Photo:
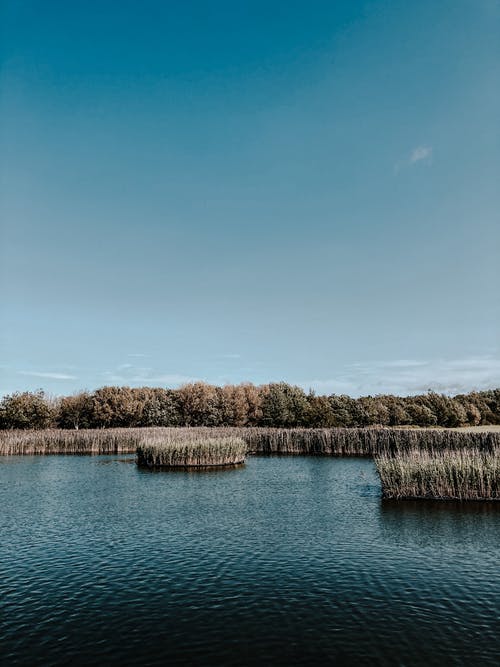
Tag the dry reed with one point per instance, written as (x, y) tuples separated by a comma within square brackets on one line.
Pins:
[(363, 441), (316, 441), (58, 441), (446, 475), (190, 450)]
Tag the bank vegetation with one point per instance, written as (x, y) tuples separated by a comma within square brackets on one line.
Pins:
[(339, 441), (275, 405)]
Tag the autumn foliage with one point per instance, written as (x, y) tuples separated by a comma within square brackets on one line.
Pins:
[(277, 405)]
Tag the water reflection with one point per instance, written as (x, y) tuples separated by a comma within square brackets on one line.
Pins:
[(195, 470), (434, 508), (451, 524)]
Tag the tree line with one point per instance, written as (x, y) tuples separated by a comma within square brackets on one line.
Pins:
[(271, 405)]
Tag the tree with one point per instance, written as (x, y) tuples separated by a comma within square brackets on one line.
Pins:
[(345, 410), (26, 410), (398, 415), (75, 411), (320, 412), (199, 404), (283, 405), (115, 406), (420, 414), (253, 400), (160, 407)]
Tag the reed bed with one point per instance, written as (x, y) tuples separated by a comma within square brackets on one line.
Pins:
[(190, 450), (59, 441), (364, 441), (446, 475), (369, 441)]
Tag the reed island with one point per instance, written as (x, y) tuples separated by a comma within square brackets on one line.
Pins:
[(188, 451), (463, 474)]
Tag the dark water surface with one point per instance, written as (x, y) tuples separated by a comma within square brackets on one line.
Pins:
[(287, 561)]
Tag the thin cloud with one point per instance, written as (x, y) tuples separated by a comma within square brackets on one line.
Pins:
[(128, 374), (48, 375), (405, 363), (168, 379), (420, 153), (406, 377)]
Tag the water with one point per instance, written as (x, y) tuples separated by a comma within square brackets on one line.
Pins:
[(287, 561)]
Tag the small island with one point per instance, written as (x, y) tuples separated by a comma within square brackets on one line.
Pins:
[(190, 451)]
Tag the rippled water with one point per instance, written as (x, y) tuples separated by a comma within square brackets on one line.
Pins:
[(287, 561)]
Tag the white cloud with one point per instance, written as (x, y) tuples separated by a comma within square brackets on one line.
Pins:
[(170, 380), (128, 374), (47, 375), (405, 377), (405, 363), (420, 153)]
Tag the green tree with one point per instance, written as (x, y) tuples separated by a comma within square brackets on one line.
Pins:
[(25, 410), (75, 411), (321, 414), (160, 407), (116, 406), (284, 405)]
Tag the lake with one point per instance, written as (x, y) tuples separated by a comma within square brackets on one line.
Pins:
[(285, 561)]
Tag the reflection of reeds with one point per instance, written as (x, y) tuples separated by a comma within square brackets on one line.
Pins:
[(466, 474), (316, 441), (189, 450)]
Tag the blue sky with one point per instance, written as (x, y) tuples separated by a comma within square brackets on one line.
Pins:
[(257, 191)]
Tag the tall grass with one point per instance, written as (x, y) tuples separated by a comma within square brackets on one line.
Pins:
[(189, 450), (58, 441), (363, 441), (317, 441), (459, 475)]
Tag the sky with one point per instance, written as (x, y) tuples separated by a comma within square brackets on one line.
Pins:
[(250, 191)]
